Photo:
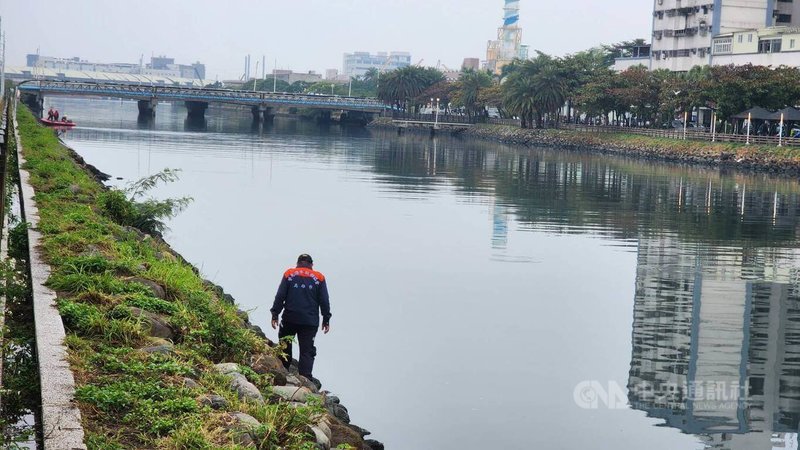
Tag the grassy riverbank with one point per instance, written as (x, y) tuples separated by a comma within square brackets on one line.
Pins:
[(145, 331)]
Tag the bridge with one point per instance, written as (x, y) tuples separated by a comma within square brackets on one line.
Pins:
[(262, 104)]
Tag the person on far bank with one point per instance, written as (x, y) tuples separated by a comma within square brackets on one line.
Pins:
[(302, 294)]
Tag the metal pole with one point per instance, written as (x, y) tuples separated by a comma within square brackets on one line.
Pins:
[(685, 120), (749, 125), (780, 133), (255, 78), (713, 127), (350, 89), (332, 85), (436, 121), (275, 77)]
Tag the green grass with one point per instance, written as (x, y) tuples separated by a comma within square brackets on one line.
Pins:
[(128, 398)]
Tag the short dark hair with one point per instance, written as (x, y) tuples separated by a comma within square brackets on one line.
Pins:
[(305, 258)]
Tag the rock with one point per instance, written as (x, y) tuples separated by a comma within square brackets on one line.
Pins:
[(292, 380), (322, 438), (244, 388), (157, 324), (92, 250), (165, 349), (228, 298), (265, 363), (361, 431), (373, 444), (323, 425), (157, 290), (226, 368), (259, 332), (340, 412), (243, 316), (331, 400), (343, 434), (74, 188), (215, 401), (190, 383), (309, 384), (245, 420), (292, 393), (245, 424)]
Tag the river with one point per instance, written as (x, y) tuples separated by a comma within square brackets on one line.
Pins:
[(489, 297)]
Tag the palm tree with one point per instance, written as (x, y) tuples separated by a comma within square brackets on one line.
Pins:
[(470, 85), (535, 87), (404, 85)]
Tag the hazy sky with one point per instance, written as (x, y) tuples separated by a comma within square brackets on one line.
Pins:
[(304, 34)]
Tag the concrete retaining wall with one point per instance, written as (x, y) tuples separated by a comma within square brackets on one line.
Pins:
[(61, 419)]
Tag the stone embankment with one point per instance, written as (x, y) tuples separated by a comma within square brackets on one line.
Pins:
[(737, 156)]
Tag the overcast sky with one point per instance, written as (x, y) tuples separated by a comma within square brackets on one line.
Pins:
[(304, 34)]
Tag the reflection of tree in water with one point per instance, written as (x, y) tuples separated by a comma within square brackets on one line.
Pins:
[(575, 192), (716, 341)]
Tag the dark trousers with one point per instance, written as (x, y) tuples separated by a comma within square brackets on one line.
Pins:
[(305, 335)]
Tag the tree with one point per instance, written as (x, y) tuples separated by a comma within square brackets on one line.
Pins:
[(402, 87), (534, 88), (468, 90)]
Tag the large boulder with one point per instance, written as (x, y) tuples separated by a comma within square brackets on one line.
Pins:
[(156, 325), (157, 290), (244, 388), (243, 427), (214, 401), (292, 393), (267, 364), (226, 368)]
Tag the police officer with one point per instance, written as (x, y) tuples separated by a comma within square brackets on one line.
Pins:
[(302, 294)]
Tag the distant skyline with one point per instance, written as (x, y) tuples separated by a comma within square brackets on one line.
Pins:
[(304, 35)]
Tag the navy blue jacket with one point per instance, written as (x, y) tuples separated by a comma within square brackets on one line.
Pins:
[(301, 295)]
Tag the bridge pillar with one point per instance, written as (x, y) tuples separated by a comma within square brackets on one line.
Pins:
[(147, 107), (262, 113), (196, 110)]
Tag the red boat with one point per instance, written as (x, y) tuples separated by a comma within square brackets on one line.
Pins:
[(57, 123)]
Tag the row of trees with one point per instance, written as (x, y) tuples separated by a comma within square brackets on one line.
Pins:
[(546, 89)]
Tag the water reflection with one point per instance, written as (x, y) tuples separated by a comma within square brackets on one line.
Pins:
[(716, 342)]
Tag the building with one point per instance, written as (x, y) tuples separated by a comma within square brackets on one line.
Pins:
[(508, 45), (159, 66), (765, 47), (293, 77), (685, 32), (357, 64), (471, 64)]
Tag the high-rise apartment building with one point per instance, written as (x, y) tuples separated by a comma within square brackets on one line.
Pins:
[(357, 64), (508, 45), (683, 30)]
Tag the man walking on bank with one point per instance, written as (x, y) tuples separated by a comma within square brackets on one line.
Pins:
[(302, 294)]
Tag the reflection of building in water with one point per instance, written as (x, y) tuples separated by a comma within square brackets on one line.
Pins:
[(499, 227), (716, 342)]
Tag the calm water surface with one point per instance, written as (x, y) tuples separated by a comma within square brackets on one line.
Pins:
[(488, 297)]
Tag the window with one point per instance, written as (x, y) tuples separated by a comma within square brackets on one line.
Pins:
[(750, 37), (740, 38), (791, 43), (769, 46), (722, 46), (784, 18)]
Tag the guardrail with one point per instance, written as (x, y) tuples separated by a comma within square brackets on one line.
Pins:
[(452, 118), (179, 93), (691, 135)]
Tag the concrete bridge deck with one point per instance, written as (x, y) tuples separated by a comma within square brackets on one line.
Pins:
[(197, 99)]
